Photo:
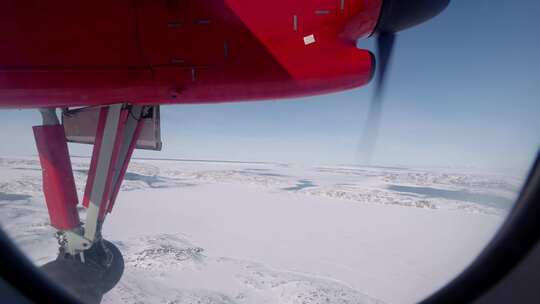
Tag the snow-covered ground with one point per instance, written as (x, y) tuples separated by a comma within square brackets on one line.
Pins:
[(234, 232)]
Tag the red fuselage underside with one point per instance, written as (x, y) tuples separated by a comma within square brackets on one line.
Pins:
[(74, 53)]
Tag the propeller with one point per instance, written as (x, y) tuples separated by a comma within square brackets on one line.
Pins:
[(385, 45), (395, 16)]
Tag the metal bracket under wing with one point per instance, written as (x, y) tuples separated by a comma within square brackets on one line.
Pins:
[(80, 127)]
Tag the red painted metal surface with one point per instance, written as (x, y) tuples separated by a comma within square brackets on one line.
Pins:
[(69, 53), (95, 155), (58, 182), (124, 167), (103, 207), (110, 191)]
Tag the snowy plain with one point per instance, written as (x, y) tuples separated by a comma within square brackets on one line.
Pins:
[(239, 232)]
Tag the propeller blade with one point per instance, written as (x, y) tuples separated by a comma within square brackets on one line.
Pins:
[(385, 45), (395, 16)]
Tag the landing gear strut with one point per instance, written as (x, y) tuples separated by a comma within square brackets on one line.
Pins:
[(87, 265)]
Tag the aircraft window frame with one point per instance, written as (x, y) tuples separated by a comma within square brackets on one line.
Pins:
[(517, 236)]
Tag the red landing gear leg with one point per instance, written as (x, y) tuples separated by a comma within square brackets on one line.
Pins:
[(117, 132), (87, 264), (58, 183)]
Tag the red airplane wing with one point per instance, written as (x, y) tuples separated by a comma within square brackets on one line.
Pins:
[(69, 53)]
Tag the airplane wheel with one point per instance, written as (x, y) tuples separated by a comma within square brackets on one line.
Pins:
[(89, 281), (114, 271)]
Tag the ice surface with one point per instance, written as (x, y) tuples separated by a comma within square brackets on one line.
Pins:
[(240, 232)]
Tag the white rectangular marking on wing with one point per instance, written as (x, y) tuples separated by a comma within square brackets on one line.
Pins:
[(309, 39)]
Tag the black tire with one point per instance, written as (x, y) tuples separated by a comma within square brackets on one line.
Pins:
[(91, 280), (81, 280), (114, 272)]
